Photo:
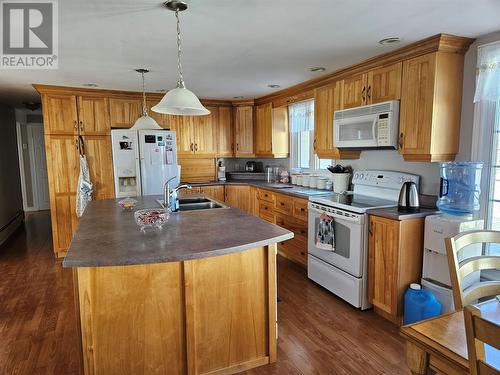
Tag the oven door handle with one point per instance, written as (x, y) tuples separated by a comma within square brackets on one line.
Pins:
[(358, 219)]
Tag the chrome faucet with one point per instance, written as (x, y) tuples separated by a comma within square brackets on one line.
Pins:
[(170, 196)]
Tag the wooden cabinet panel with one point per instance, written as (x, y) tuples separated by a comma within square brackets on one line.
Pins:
[(255, 200), (124, 112), (280, 134), (183, 193), (384, 84), (293, 250), (63, 168), (417, 105), (60, 114), (239, 196), (354, 91), (266, 211), (244, 126), (264, 129), (383, 263), (300, 209), (93, 115), (197, 170), (327, 100), (225, 146), (205, 133), (214, 191), (266, 195), (284, 204), (183, 127), (100, 160)]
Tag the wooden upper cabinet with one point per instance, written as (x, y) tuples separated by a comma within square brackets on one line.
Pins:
[(354, 91), (271, 131), (244, 131), (225, 133), (430, 107), (60, 114), (93, 115), (384, 84), (100, 160), (124, 112), (183, 127), (327, 100), (205, 133)]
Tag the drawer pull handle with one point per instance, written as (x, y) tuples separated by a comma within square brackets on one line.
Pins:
[(302, 209)]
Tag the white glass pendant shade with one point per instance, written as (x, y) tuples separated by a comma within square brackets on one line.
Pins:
[(145, 122), (180, 101)]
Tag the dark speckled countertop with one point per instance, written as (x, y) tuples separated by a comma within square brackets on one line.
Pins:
[(393, 213), (109, 236)]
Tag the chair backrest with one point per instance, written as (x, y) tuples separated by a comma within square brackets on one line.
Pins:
[(460, 270), (479, 332)]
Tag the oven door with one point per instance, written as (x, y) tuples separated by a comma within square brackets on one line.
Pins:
[(349, 238), (355, 132)]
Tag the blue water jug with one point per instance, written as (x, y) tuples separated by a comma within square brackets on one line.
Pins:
[(419, 304), (460, 188)]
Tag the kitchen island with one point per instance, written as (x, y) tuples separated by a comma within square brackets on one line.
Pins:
[(197, 297)]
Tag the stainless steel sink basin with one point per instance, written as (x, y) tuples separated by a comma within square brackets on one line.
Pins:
[(195, 203)]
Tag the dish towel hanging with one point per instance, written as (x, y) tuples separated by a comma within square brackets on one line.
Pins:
[(84, 188), (325, 236)]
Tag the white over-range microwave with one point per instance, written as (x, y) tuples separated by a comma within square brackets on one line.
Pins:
[(367, 127)]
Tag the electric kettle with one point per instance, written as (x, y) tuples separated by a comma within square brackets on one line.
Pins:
[(408, 198)]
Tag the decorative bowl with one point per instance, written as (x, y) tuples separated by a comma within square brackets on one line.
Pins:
[(151, 218), (127, 204)]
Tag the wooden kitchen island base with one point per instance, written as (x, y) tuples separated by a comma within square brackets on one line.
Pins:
[(214, 315)]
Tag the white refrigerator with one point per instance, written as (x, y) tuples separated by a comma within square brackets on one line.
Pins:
[(143, 160)]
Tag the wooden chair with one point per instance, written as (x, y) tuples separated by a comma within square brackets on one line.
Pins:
[(460, 270), (480, 332)]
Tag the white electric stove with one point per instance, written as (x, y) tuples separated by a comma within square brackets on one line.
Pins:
[(340, 265)]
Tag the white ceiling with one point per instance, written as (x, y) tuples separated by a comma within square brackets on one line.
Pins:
[(235, 47)]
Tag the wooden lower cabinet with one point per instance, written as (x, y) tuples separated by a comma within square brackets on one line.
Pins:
[(205, 316), (290, 213), (239, 196), (394, 261), (100, 160), (213, 191)]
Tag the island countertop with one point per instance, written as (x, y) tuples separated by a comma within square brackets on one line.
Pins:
[(109, 236)]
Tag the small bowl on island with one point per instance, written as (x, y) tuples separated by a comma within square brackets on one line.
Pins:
[(151, 218), (127, 204)]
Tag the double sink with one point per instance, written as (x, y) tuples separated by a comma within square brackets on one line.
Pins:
[(195, 203)]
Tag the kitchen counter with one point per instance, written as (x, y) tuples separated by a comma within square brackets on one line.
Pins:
[(109, 236), (394, 214), (288, 189), (198, 296)]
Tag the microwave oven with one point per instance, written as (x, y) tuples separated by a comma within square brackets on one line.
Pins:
[(367, 127)]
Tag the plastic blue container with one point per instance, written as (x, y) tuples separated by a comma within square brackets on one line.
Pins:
[(419, 304), (460, 188)]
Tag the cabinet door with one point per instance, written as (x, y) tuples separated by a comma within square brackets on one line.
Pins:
[(183, 193), (60, 114), (280, 133), (383, 264), (384, 84), (215, 191), (225, 145), (183, 127), (264, 130), (124, 112), (93, 115), (100, 160), (160, 118), (243, 121), (239, 197), (416, 110), (63, 168), (205, 133), (354, 91)]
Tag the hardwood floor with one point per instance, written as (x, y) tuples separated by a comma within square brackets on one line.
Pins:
[(319, 333)]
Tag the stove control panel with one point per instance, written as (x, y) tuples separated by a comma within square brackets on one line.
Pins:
[(386, 179)]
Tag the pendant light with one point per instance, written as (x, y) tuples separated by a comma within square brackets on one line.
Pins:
[(144, 122), (179, 101)]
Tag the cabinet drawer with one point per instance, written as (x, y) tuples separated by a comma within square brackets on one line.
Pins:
[(300, 208), (294, 251), (283, 204), (298, 227), (265, 195), (267, 216), (265, 209)]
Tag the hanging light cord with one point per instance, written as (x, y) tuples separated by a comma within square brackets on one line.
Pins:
[(144, 106), (180, 82)]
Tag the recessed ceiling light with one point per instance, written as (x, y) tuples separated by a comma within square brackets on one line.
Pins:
[(317, 69), (90, 85), (273, 86), (237, 97), (391, 40)]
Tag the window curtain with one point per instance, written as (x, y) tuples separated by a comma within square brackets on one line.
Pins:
[(302, 116), (488, 73)]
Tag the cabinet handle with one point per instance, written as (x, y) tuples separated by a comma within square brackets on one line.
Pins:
[(369, 92), (76, 125), (232, 146), (314, 145), (196, 147), (401, 138), (81, 126), (237, 146), (302, 209), (282, 203), (76, 144), (363, 97), (191, 147)]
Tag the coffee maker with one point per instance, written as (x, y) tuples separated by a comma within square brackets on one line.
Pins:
[(221, 171)]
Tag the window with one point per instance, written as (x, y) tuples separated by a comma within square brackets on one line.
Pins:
[(493, 210), (301, 116)]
